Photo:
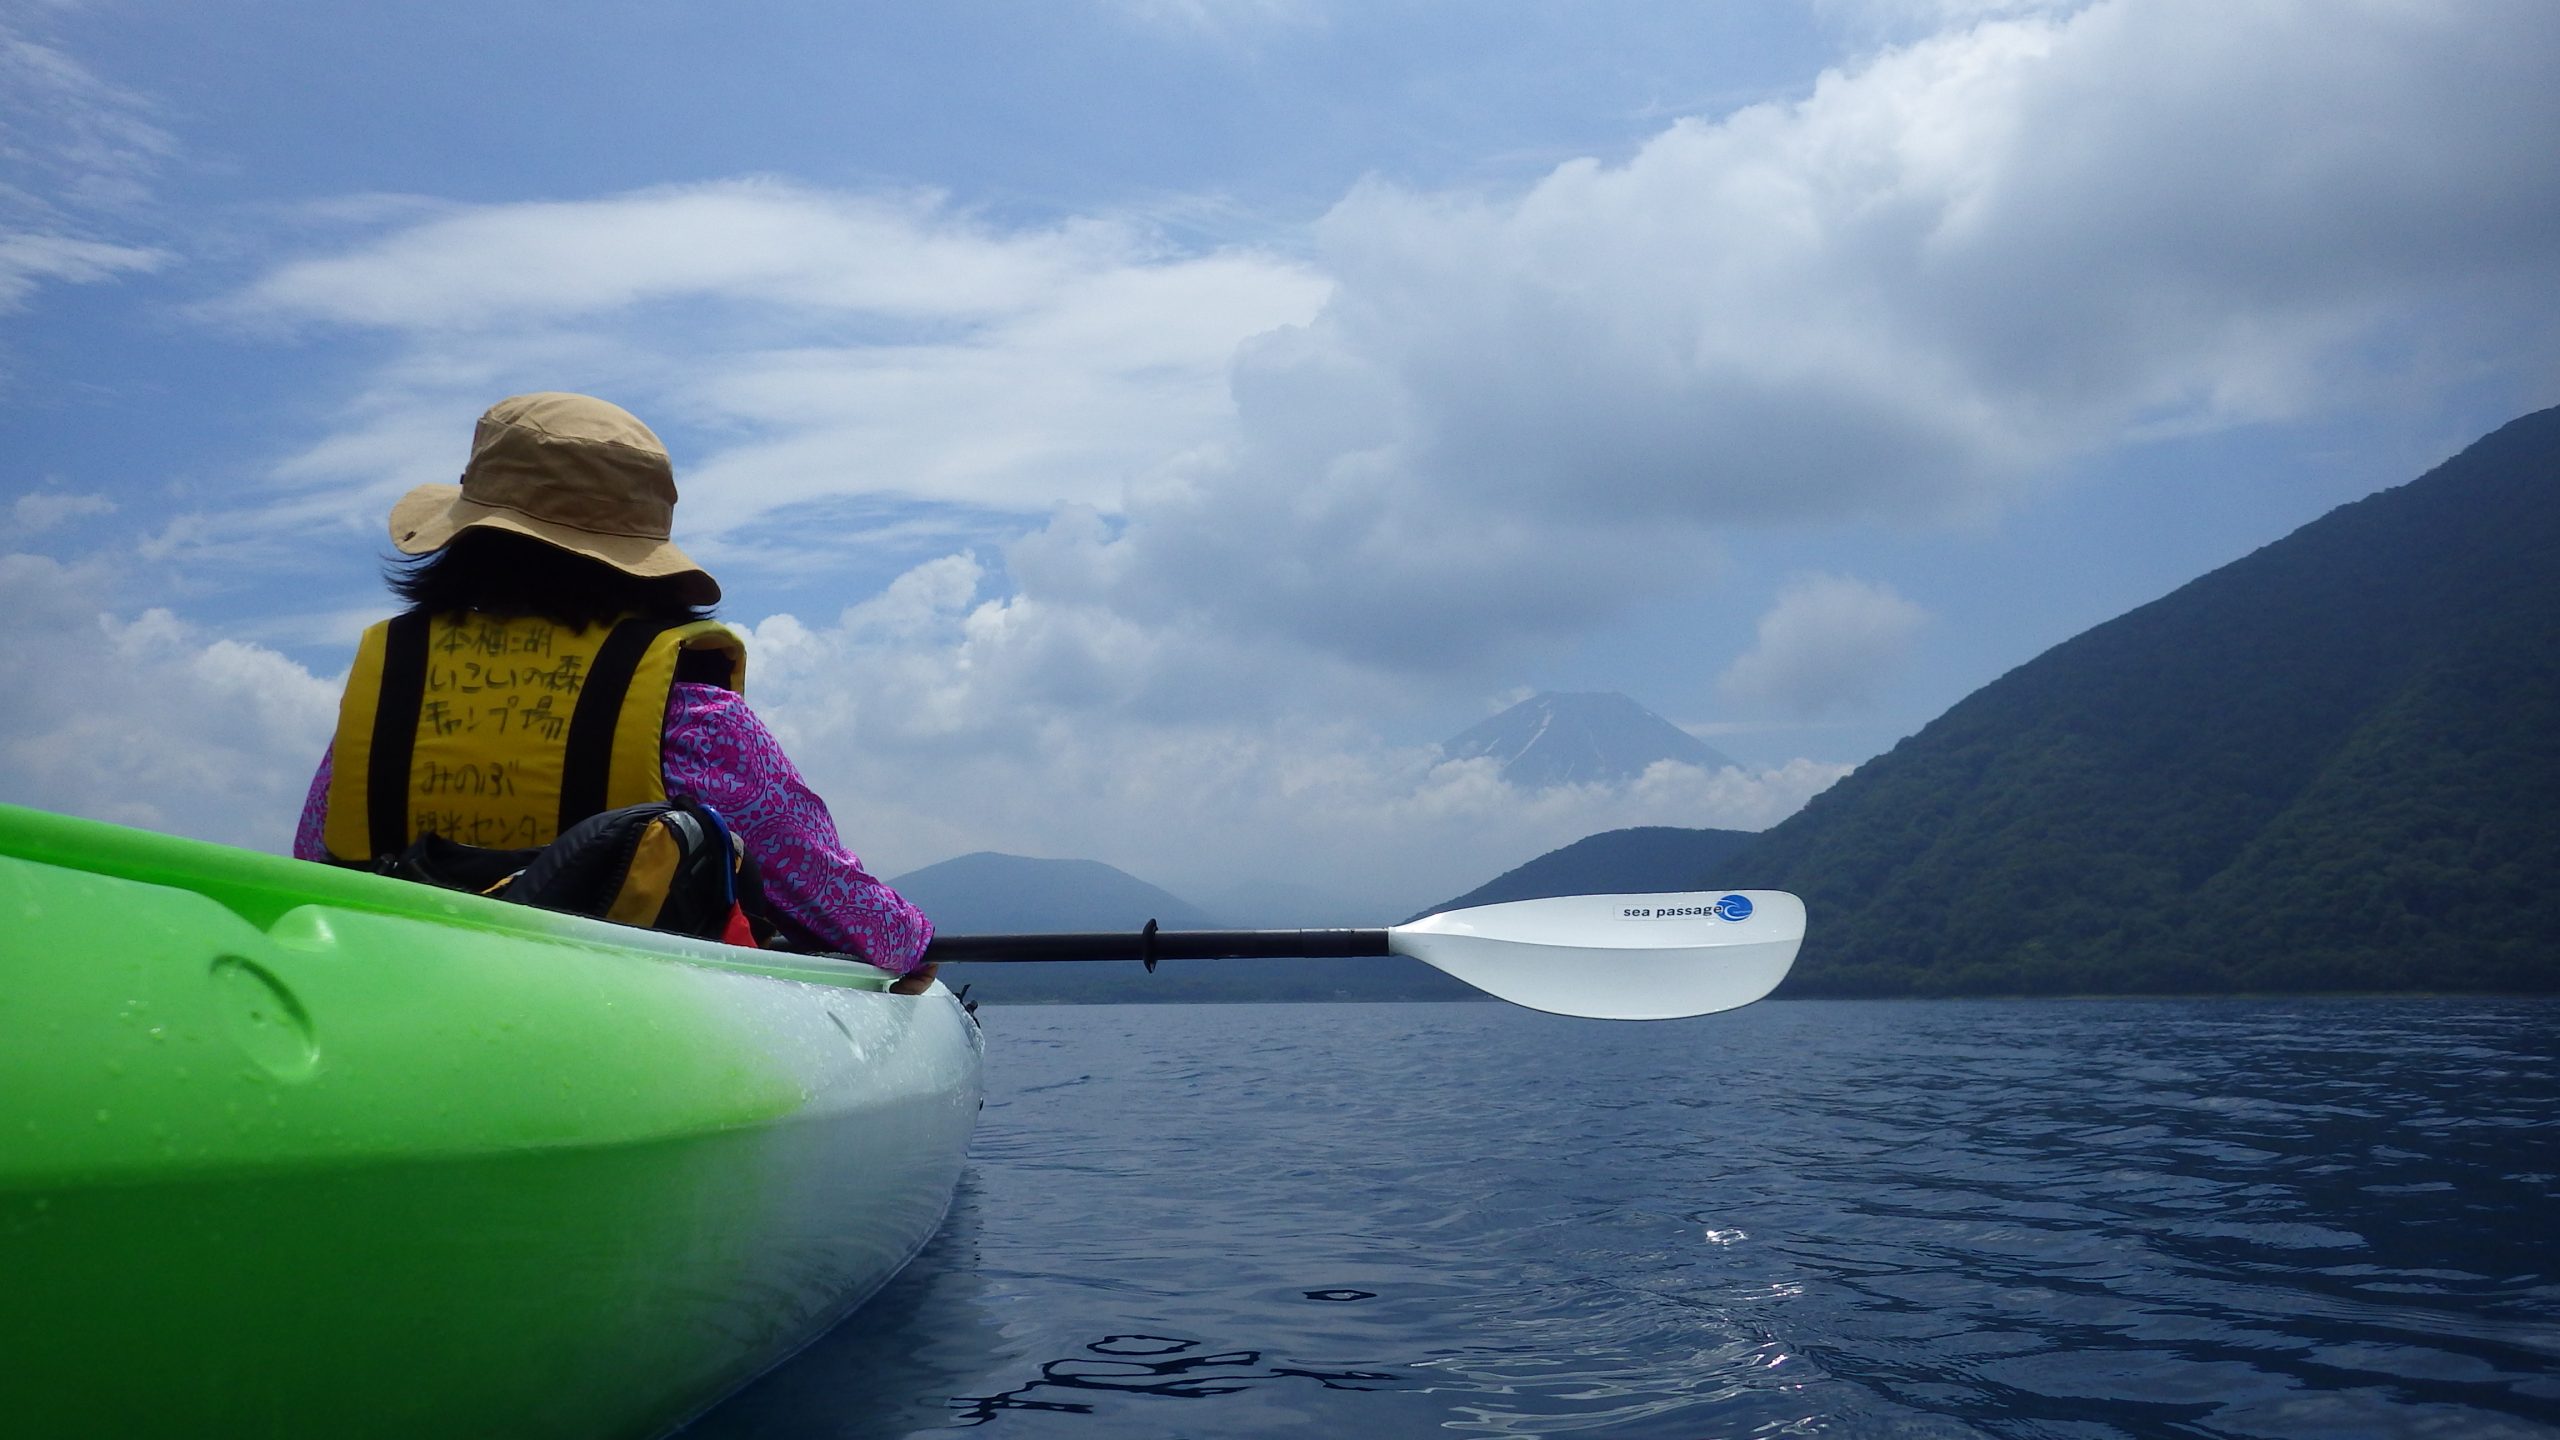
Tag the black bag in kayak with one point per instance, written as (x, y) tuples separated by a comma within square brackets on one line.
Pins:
[(452, 865), (668, 865)]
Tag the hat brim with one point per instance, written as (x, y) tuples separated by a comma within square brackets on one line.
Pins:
[(429, 517)]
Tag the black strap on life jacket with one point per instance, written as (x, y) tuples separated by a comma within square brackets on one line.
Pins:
[(395, 731), (588, 764)]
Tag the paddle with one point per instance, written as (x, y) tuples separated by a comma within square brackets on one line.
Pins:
[(1607, 957)]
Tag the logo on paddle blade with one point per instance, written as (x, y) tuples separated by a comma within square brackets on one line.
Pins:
[(1731, 907)]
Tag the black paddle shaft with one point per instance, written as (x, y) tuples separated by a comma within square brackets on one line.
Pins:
[(1151, 945)]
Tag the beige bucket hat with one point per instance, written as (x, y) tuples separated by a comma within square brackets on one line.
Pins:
[(570, 470)]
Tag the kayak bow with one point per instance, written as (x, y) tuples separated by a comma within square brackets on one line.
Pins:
[(290, 1150)]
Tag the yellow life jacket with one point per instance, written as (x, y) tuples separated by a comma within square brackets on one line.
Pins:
[(504, 731)]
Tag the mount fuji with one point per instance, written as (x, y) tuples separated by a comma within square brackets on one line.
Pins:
[(1560, 738)]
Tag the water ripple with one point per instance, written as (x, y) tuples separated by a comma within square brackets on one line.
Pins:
[(2028, 1219)]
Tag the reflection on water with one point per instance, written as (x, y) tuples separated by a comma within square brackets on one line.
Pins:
[(2029, 1219)]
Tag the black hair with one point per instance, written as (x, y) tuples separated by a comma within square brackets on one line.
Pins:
[(500, 572)]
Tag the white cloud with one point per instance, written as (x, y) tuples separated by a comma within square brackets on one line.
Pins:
[(1905, 298), (1886, 21), (1950, 265), (935, 719), (1486, 422), (819, 347), (1829, 644), (28, 259), (890, 258), (40, 510), (938, 721), (928, 718), (148, 720), (1225, 505), (70, 140), (75, 152)]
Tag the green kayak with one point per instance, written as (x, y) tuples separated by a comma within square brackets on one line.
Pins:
[(288, 1150)]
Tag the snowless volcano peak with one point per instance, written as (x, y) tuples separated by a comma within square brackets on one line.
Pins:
[(1580, 739)]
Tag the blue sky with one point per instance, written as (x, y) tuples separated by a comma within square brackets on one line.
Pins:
[(1140, 430)]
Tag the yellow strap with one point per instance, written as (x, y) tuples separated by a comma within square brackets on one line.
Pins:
[(347, 832), (638, 776), (651, 879)]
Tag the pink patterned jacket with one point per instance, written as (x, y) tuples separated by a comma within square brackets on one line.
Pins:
[(717, 752)]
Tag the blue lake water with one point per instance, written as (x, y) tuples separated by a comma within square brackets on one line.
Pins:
[(2067, 1219)]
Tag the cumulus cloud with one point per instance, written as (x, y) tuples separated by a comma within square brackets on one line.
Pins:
[(939, 718), (148, 720), (1965, 257), (1905, 298), (1201, 507), (1828, 645), (1477, 424)]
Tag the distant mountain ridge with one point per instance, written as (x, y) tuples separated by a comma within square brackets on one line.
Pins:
[(988, 893), (2333, 764), (1562, 738)]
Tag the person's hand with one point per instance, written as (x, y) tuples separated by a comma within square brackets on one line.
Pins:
[(916, 981)]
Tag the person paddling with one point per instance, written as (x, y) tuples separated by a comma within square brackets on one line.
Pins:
[(560, 658)]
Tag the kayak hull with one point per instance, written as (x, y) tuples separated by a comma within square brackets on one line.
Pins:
[(290, 1151)]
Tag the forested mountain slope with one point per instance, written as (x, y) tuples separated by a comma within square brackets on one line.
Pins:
[(2333, 764)]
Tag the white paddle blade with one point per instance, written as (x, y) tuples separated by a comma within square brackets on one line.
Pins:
[(1617, 957)]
